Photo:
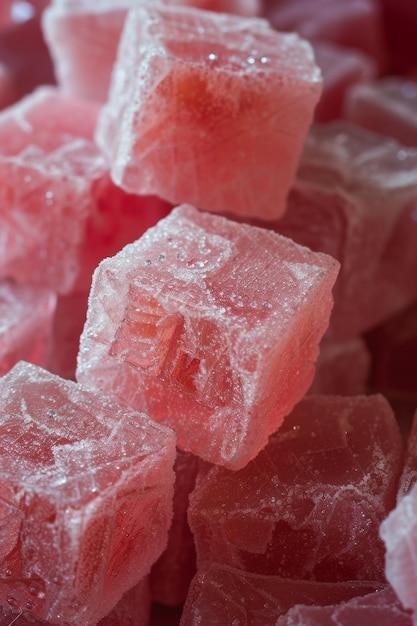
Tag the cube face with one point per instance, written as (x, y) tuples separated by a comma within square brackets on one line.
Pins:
[(86, 494), (331, 470), (212, 326), (199, 80)]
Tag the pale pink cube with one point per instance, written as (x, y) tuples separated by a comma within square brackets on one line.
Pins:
[(211, 325), (86, 497), (208, 108), (60, 212)]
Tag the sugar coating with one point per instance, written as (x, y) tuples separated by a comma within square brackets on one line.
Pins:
[(209, 326), (208, 108), (310, 505), (86, 497)]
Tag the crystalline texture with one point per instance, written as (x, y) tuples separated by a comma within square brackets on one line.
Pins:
[(209, 326), (208, 108), (85, 497)]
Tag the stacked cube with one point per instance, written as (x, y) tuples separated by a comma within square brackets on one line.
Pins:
[(237, 288)]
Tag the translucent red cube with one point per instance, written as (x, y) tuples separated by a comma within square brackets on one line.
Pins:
[(310, 505)]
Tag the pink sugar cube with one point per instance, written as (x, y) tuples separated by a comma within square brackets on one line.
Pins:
[(310, 505), (387, 107), (86, 497), (60, 212), (52, 197), (209, 326), (208, 108), (355, 199), (26, 316), (224, 595), (83, 38)]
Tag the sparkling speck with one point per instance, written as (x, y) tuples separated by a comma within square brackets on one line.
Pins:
[(212, 56)]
